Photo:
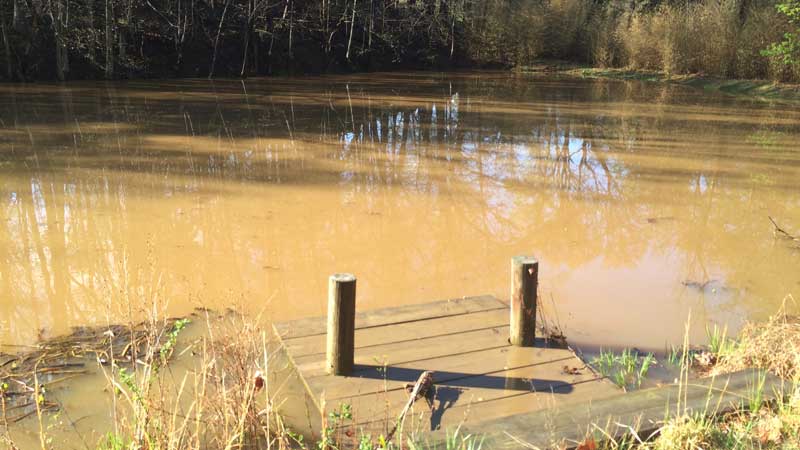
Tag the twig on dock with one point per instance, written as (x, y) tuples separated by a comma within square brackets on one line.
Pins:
[(421, 388)]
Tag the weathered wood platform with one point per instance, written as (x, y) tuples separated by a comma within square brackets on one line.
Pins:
[(478, 375), (641, 411)]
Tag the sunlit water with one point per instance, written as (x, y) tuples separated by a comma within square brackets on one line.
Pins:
[(646, 204)]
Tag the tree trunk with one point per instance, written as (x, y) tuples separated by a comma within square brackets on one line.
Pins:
[(452, 36), (16, 21), (56, 12), (6, 48), (216, 41), (121, 45), (247, 32), (180, 34), (291, 29), (326, 38), (244, 54), (256, 65), (371, 23), (109, 19), (122, 33), (352, 26), (91, 42)]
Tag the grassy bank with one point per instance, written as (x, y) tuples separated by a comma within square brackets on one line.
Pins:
[(769, 90), (773, 345), (763, 89)]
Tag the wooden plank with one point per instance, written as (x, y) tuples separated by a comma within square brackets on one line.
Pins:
[(644, 410), (317, 325), (405, 332), (290, 396), (370, 379), (484, 397), (396, 353), (544, 380)]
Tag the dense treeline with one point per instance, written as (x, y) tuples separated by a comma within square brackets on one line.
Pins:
[(72, 39)]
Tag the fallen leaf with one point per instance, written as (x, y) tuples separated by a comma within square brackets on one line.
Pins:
[(587, 444), (259, 380)]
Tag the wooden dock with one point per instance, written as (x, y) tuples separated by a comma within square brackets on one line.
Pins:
[(642, 412), (492, 376), (478, 375)]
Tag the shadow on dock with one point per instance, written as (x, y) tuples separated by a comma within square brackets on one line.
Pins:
[(466, 380)]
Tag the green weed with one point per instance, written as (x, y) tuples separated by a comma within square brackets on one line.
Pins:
[(627, 369), (673, 356), (719, 344)]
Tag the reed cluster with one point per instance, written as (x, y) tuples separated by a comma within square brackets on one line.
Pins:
[(718, 38)]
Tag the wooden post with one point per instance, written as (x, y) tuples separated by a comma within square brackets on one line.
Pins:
[(341, 323), (524, 284)]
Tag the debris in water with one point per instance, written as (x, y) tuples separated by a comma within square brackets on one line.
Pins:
[(58, 359)]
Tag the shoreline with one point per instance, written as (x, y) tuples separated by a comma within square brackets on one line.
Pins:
[(759, 89)]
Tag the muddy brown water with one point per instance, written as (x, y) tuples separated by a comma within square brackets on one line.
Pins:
[(646, 203)]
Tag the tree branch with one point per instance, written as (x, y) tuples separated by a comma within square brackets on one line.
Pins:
[(780, 231)]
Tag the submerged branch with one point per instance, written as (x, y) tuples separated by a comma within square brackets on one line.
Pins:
[(62, 358), (780, 231)]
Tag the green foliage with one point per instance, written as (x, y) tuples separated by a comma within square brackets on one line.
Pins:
[(112, 441), (297, 438), (455, 440), (756, 394), (336, 419), (719, 344), (365, 442), (673, 356), (172, 338), (627, 369), (788, 50), (791, 9), (128, 379), (345, 412)]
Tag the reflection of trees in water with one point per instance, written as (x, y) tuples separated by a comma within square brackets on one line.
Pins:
[(581, 170), (49, 228)]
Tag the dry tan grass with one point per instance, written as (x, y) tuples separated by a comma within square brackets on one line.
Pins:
[(773, 345), (215, 395), (718, 38)]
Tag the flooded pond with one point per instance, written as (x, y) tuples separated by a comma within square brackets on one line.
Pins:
[(645, 203)]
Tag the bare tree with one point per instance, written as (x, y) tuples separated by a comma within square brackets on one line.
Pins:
[(109, 30), (6, 47), (254, 9), (59, 18), (216, 41), (179, 18), (352, 27)]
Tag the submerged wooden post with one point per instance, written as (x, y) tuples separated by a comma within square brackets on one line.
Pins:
[(524, 284), (341, 323)]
